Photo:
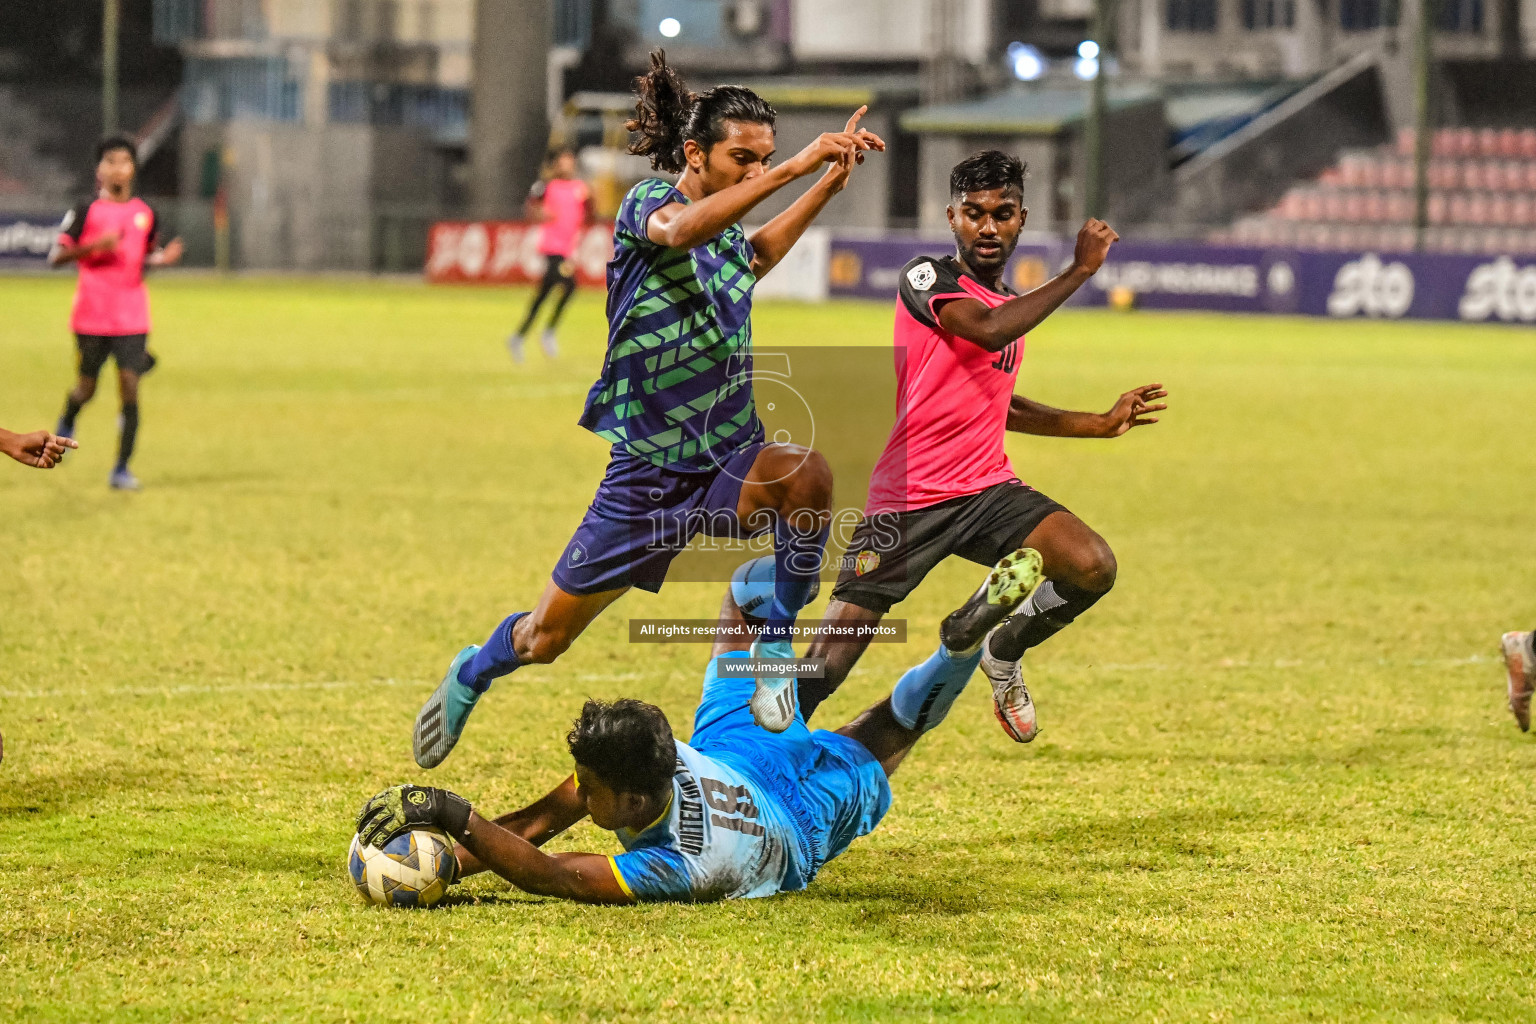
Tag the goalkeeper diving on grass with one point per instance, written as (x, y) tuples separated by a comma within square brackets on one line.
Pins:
[(733, 813)]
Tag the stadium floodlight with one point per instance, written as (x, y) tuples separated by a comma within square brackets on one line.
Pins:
[(1088, 50), (1086, 69), (670, 27), (1027, 62)]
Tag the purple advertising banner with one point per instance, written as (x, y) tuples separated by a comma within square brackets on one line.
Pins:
[(1431, 286), (26, 238)]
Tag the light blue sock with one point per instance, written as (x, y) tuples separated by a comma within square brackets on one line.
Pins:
[(924, 694)]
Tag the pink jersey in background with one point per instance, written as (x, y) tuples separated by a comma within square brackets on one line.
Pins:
[(952, 398), (110, 298), (565, 211)]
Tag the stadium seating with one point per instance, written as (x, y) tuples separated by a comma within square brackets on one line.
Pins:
[(1482, 198)]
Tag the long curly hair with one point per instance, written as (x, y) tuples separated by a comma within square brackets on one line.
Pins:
[(667, 114)]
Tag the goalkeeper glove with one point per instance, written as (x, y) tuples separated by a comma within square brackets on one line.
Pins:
[(401, 808)]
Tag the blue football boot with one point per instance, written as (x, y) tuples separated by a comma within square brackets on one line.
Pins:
[(441, 719)]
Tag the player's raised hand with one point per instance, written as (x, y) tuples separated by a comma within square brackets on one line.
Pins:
[(39, 449), (867, 138), (1135, 409), (401, 808), (1093, 243), (847, 146), (838, 172)]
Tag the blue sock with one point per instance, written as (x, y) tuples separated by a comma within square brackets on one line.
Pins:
[(924, 694), (496, 659), (797, 555)]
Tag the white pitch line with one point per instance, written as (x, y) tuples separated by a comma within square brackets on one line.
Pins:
[(588, 677), (1285, 663), (326, 684)]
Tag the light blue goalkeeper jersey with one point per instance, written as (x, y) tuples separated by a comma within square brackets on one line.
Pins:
[(752, 812), (723, 836)]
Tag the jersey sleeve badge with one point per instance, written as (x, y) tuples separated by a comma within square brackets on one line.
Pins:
[(922, 276)]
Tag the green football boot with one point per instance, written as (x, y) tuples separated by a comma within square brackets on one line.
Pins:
[(1011, 581)]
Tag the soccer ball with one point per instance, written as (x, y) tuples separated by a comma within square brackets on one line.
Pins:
[(414, 869)]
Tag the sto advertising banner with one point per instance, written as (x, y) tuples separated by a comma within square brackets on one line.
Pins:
[(1430, 286)]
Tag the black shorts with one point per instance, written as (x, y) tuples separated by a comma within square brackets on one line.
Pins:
[(127, 349), (891, 552), (558, 270)]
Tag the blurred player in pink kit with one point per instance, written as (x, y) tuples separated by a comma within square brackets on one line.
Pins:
[(563, 206), (112, 238)]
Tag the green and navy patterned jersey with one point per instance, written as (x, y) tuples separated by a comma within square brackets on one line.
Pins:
[(676, 387)]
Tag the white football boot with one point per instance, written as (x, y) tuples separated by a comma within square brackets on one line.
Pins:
[(774, 701), (1010, 697)]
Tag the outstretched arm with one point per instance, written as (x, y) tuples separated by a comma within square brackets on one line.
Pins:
[(587, 877), (538, 823), (1132, 409), (683, 226), (584, 877), (772, 242), (996, 328)]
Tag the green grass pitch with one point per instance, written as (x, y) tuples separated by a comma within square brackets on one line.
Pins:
[(1276, 780)]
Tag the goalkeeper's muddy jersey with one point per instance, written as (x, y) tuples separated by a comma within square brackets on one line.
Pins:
[(723, 836)]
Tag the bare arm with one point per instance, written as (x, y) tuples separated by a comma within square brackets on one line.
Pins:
[(685, 225), (772, 242), (64, 252), (538, 823), (585, 877), (166, 256), (996, 328), (1132, 409)]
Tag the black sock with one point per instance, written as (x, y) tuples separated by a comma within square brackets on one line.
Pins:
[(1049, 610), (811, 693), (538, 300), (129, 432), (565, 296), (71, 410)]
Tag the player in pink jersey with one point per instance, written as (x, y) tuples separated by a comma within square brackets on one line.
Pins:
[(944, 485), (112, 238), (563, 206)]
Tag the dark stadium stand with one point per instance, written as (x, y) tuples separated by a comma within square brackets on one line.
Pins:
[(1482, 198)]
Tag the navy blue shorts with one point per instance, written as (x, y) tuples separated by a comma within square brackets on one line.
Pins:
[(644, 516)]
